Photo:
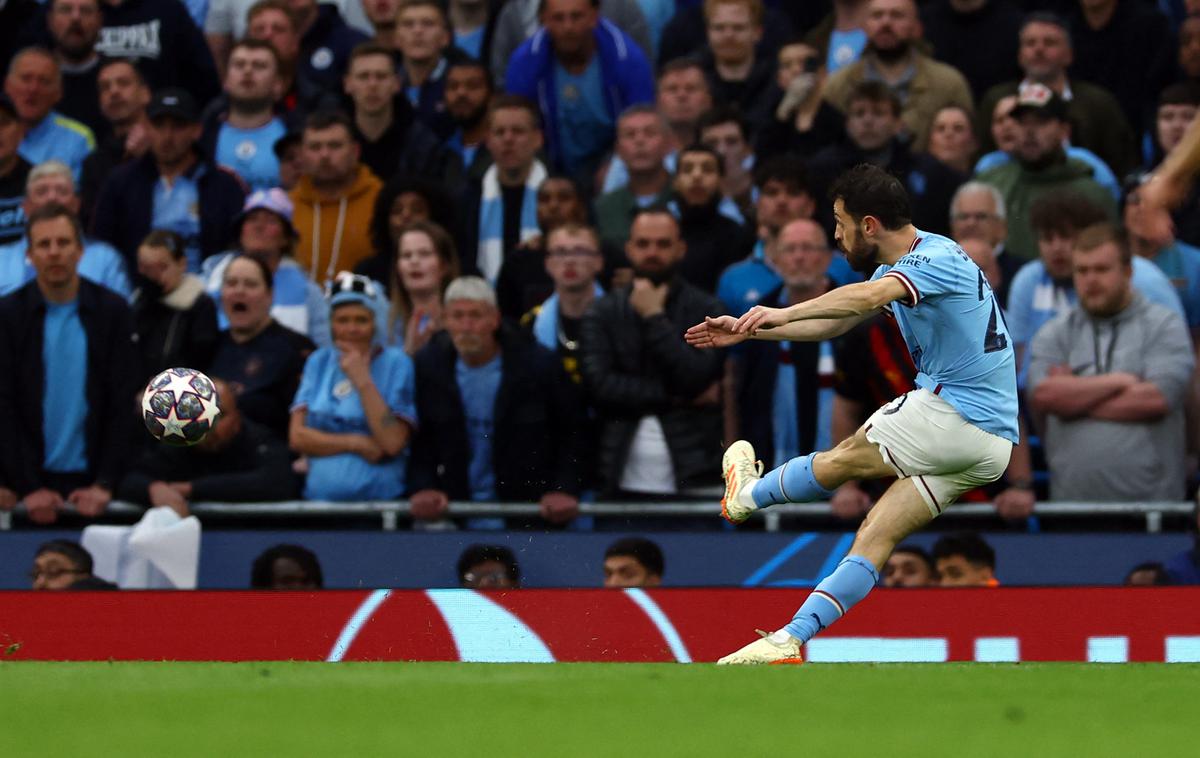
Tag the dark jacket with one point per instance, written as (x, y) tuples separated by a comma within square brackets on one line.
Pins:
[(752, 96), (685, 33), (254, 467), (776, 137), (408, 146), (12, 195), (539, 445), (714, 242), (981, 44), (126, 206), (166, 43), (109, 153), (635, 367), (113, 374), (325, 48), (177, 330)]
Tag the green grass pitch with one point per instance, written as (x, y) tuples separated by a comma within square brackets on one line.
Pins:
[(489, 711)]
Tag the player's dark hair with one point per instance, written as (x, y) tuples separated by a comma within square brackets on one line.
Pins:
[(868, 190), (1161, 577), (1064, 213), (262, 571), (641, 550), (724, 114), (875, 92), (787, 169), (697, 147), (477, 554), (166, 240), (49, 212), (263, 268), (920, 554), (72, 551), (969, 545)]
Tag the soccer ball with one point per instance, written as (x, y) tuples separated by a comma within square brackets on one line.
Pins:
[(179, 406)]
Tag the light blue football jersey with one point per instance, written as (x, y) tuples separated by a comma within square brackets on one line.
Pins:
[(956, 333)]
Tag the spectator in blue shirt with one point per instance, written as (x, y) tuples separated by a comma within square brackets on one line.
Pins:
[(51, 183), (582, 71), (13, 172), (34, 83), (355, 411), (1178, 260), (243, 137)]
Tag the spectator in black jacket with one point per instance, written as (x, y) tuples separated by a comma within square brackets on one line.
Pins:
[(712, 240), (175, 321), (74, 27), (239, 461), (66, 412), (123, 100), (799, 120), (203, 198), (737, 74), (273, 21), (14, 170), (499, 420), (658, 399), (325, 41), (873, 127)]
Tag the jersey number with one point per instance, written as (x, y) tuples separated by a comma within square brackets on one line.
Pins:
[(993, 340)]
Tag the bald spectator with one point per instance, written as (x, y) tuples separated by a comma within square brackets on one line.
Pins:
[(1096, 120), (34, 84), (922, 84)]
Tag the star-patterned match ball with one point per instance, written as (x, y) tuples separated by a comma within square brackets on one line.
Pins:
[(179, 406)]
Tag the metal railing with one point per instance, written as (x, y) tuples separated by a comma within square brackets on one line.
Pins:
[(391, 512)]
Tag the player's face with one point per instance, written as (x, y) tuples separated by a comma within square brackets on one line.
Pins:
[(421, 33), (570, 24), (907, 570), (558, 203), (513, 138), (353, 324), (1172, 122), (871, 125), (330, 154), (626, 571), (732, 33), (801, 255), (54, 251), (860, 254), (573, 260), (372, 82), (975, 216), (1055, 250), (263, 234), (779, 202), (683, 96), (1004, 127), (252, 76), (54, 571), (467, 94), (697, 178), (407, 208), (1102, 282), (654, 247), (159, 266), (245, 297), (418, 264), (472, 327), (1044, 51), (956, 571), (641, 142), (123, 95)]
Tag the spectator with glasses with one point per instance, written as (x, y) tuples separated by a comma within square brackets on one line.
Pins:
[(64, 565), (977, 212), (488, 567), (355, 411)]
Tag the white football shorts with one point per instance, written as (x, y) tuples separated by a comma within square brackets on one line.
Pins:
[(923, 438)]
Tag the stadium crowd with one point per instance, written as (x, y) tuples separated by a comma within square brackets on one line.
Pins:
[(445, 250)]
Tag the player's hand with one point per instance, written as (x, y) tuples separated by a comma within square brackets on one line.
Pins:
[(1015, 503), (761, 317), (714, 332), (850, 502), (428, 504), (8, 499), (43, 506), (369, 449), (355, 363), (90, 502), (647, 298), (162, 493), (559, 507)]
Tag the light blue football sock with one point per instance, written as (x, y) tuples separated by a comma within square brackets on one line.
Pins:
[(793, 482), (837, 593)]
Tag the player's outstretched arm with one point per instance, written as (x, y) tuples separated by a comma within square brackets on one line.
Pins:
[(854, 302)]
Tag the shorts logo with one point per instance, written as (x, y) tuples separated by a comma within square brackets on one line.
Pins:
[(896, 406)]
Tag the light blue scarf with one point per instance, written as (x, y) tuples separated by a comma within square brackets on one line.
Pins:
[(545, 324), (491, 219)]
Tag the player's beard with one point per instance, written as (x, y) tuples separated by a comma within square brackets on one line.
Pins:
[(863, 258)]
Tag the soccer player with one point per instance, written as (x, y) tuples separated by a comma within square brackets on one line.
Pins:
[(951, 434)]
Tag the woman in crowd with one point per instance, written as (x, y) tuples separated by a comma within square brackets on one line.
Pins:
[(176, 323), (403, 200), (356, 408), (261, 359), (425, 265)]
